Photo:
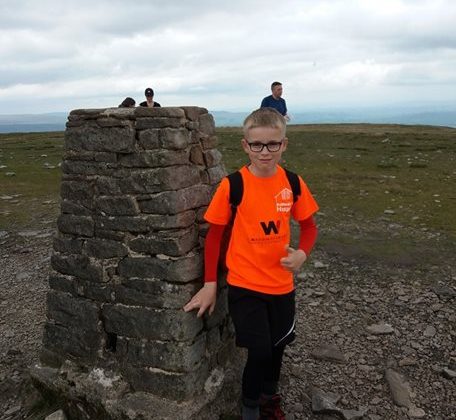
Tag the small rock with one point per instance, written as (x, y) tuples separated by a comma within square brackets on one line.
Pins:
[(328, 352), (57, 415), (380, 329), (13, 410), (389, 211), (416, 413), (399, 388), (319, 264), (10, 173), (444, 291), (6, 197), (448, 373), (3, 234), (429, 331)]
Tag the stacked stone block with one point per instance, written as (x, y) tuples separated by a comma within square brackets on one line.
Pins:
[(128, 254)]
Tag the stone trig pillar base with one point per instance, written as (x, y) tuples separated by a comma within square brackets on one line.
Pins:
[(128, 255)]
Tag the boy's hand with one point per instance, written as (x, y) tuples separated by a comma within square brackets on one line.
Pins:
[(294, 259), (204, 299)]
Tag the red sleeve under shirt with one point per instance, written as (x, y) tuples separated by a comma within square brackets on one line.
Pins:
[(307, 238)]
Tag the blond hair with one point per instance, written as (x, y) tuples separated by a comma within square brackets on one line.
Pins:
[(264, 117)]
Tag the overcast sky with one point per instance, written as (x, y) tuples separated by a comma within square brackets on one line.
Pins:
[(58, 55)]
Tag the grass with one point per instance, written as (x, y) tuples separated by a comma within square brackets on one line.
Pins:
[(356, 172), (33, 192)]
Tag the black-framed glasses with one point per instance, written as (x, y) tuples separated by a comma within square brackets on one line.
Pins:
[(273, 146)]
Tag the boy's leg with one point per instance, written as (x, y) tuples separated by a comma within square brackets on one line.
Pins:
[(249, 313), (272, 374), (281, 315)]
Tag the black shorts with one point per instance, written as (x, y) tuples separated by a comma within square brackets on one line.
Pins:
[(261, 319)]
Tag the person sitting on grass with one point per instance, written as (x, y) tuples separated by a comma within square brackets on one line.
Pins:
[(260, 261)]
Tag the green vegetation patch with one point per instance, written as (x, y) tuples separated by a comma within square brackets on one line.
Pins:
[(29, 178)]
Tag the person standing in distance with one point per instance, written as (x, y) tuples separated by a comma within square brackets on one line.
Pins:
[(275, 100), (149, 102)]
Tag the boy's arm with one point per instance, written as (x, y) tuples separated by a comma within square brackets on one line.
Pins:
[(307, 237), (206, 297)]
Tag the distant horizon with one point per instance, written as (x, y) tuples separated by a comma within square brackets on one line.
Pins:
[(412, 115)]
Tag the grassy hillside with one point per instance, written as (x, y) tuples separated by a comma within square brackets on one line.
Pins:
[(361, 173)]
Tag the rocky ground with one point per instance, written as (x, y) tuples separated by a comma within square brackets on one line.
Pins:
[(376, 336)]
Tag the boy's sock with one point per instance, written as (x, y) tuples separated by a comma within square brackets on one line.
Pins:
[(250, 409)]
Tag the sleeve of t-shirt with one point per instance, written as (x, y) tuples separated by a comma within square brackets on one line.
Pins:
[(219, 209), (306, 205), (263, 103)]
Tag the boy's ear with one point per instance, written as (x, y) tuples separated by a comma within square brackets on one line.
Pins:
[(285, 144), (245, 146)]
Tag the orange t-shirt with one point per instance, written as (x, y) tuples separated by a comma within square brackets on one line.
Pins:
[(261, 229)]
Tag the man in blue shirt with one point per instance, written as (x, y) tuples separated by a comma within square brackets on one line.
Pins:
[(275, 100)]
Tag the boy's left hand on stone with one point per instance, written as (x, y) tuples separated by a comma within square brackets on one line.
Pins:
[(203, 300)]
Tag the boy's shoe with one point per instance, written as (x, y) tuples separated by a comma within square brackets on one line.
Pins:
[(270, 408)]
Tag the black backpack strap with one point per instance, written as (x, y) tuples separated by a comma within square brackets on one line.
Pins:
[(236, 190), (295, 185)]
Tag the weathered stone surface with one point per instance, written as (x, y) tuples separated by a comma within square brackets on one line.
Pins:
[(167, 355), (180, 270), (105, 185), (153, 324), (193, 112), (207, 124), (132, 224), (69, 207), (77, 190), (149, 139), (62, 283), (68, 245), (76, 225), (90, 156), (216, 174), (116, 139), (102, 248), (172, 202), (154, 159), (179, 386), (169, 112), (159, 122), (117, 206), (76, 167), (212, 157), (174, 139), (196, 155), (72, 341), (154, 293), (77, 265), (208, 142), (113, 122), (173, 221), (66, 310), (173, 243)]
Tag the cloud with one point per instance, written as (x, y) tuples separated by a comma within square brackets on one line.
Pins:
[(224, 54)]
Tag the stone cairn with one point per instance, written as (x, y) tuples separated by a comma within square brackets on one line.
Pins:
[(128, 255)]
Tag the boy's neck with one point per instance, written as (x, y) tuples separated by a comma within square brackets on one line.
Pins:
[(261, 174)]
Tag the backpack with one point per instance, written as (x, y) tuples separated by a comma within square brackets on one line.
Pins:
[(236, 193)]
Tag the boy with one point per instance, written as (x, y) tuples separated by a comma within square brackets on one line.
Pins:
[(260, 262)]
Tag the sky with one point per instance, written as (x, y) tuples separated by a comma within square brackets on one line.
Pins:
[(58, 55)]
